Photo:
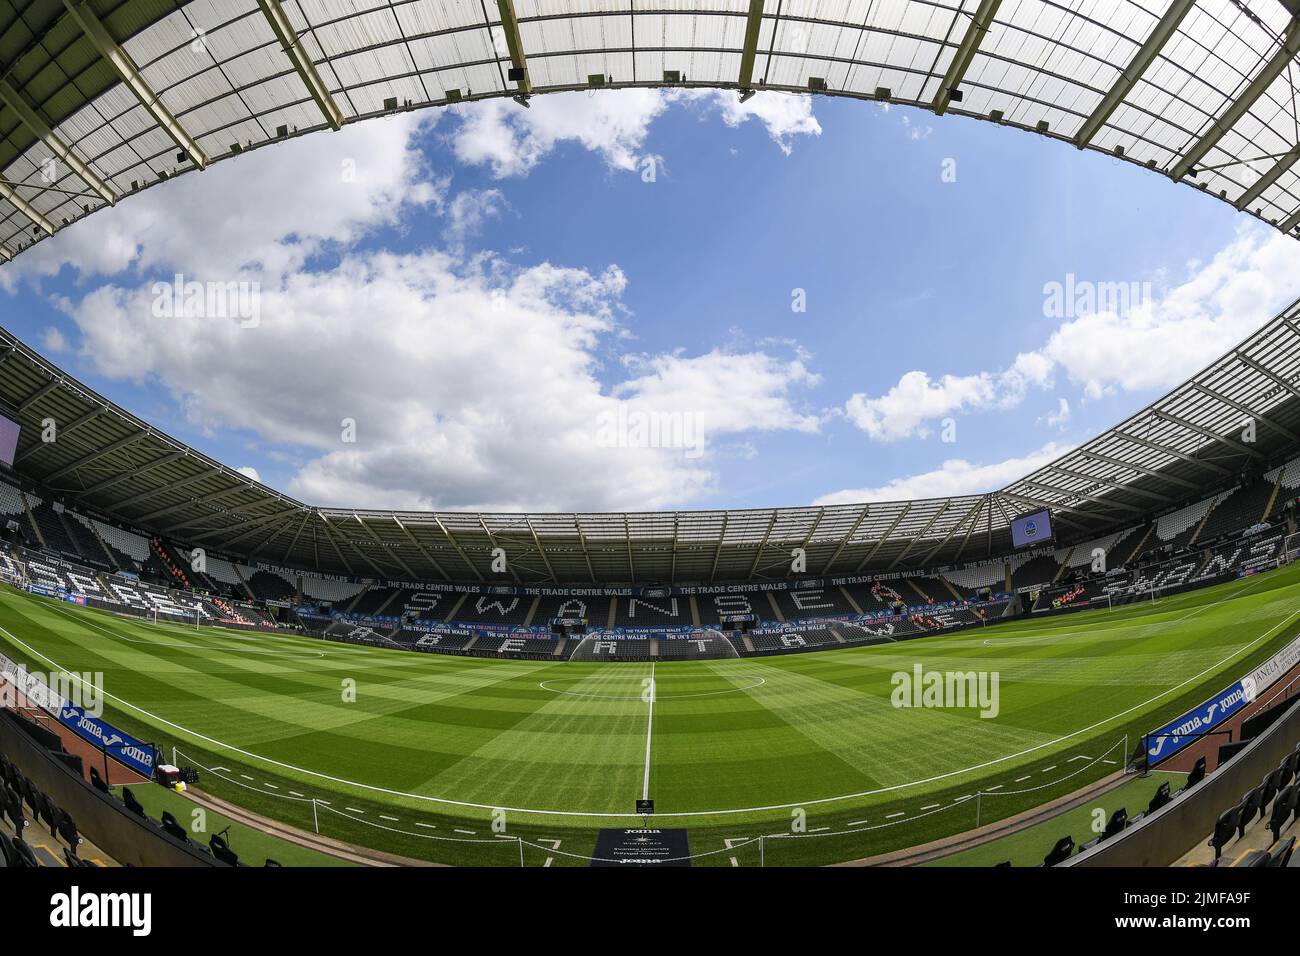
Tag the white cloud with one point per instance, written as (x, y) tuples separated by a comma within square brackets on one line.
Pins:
[(1154, 345), (955, 476), (54, 341), (613, 123), (1159, 344), (248, 471), (1059, 418), (908, 408), (513, 140), (472, 383), (784, 115), (267, 211)]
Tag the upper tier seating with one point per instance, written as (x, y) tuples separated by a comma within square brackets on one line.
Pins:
[(811, 602), (653, 611)]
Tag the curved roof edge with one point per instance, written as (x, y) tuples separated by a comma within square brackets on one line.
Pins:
[(1186, 444), (109, 97)]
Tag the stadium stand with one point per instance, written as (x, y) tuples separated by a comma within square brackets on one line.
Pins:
[(594, 610), (1241, 508), (648, 612), (1034, 572), (495, 609), (814, 602)]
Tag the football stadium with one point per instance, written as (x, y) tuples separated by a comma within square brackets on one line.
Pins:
[(1088, 661)]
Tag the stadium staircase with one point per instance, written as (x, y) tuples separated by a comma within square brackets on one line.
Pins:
[(113, 562), (951, 590), (31, 521), (925, 598), (244, 583), (1140, 545), (357, 599), (229, 610), (169, 564)]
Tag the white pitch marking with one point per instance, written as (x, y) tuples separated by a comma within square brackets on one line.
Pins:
[(1021, 779), (818, 829), (246, 776), (859, 823), (355, 810), (933, 806), (427, 826), (555, 845), (1046, 769), (649, 728), (384, 816), (466, 832), (890, 816), (1237, 652), (271, 785), (989, 789), (1078, 757), (294, 793)]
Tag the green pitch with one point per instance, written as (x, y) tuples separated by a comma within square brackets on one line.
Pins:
[(434, 756)]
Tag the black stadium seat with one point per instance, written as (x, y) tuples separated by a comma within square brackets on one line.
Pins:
[(1224, 828), (1283, 807), (1249, 808), (1060, 852), (1281, 856), (1159, 798), (132, 803)]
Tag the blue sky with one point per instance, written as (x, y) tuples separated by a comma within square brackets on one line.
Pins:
[(484, 293)]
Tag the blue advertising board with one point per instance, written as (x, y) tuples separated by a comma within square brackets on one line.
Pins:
[(124, 748), (1178, 733)]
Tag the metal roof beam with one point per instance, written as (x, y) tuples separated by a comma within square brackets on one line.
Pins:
[(510, 24), (885, 537), (10, 195), (95, 456), (1171, 452), (41, 130), (961, 61), (1249, 412), (844, 542), (1140, 469), (1136, 69), (753, 26), (109, 49), (1207, 433), (1239, 107), (1275, 173), (1068, 473), (1268, 373), (421, 548), (1043, 486), (293, 49)]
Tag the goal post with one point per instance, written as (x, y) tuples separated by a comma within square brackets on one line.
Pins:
[(1290, 548)]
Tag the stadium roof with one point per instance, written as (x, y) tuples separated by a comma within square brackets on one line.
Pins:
[(1181, 447), (101, 98)]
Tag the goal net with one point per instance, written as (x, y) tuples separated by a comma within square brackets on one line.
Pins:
[(1291, 548)]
